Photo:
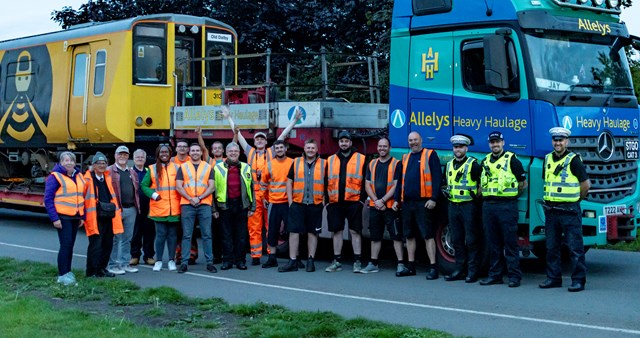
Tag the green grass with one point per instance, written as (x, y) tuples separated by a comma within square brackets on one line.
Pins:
[(28, 289), (28, 316), (625, 246)]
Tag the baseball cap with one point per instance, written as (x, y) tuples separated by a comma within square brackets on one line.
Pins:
[(344, 134), (98, 157), (122, 149), (495, 135)]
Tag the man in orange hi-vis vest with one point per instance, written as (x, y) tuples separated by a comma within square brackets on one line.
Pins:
[(306, 193), (257, 158), (418, 190), (274, 187), (345, 188)]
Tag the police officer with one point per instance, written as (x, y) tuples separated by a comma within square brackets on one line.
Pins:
[(463, 177), (565, 184), (502, 180)]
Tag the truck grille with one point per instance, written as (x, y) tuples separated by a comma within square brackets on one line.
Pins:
[(610, 180)]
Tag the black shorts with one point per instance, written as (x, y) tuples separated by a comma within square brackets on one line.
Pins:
[(278, 214), (338, 212), (415, 217), (381, 219), (305, 218)]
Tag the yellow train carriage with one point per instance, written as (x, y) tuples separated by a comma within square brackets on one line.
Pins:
[(106, 83)]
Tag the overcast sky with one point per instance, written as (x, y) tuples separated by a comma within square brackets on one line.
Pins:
[(29, 17)]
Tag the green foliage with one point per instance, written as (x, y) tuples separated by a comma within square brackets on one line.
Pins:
[(297, 27), (625, 246)]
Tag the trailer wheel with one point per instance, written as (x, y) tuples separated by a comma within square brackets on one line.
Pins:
[(444, 248)]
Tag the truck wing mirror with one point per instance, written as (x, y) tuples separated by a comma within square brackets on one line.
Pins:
[(496, 73)]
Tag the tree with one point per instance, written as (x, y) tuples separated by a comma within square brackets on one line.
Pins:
[(348, 27)]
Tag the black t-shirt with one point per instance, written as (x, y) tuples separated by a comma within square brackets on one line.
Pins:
[(577, 167), (382, 173)]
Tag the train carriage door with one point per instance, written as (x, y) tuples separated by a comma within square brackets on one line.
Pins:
[(477, 108), (431, 88), (186, 71), (79, 93)]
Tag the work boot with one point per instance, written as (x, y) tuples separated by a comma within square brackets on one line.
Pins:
[(289, 267), (311, 266)]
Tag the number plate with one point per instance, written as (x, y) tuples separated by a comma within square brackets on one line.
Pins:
[(631, 150), (614, 209)]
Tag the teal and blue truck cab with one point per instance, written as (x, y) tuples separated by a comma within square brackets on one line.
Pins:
[(523, 67)]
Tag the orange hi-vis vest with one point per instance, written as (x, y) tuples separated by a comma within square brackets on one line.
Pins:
[(196, 182), (90, 202), (354, 179), (274, 181), (390, 175), (165, 186), (69, 198), (177, 161), (212, 161), (425, 173), (258, 162), (299, 166)]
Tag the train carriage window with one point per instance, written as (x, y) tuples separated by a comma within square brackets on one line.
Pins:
[(80, 74), (149, 67), (99, 73)]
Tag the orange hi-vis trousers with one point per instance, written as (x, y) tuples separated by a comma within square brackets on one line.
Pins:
[(255, 224)]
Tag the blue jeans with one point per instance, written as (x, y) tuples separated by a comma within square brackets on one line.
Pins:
[(121, 253), (189, 214), (67, 238), (166, 232)]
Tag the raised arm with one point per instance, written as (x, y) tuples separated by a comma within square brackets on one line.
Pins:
[(226, 114), (293, 122), (203, 146)]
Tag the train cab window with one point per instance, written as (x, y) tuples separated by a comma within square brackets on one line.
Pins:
[(99, 73), (20, 79), (214, 68), (80, 74), (472, 67), (183, 62), (148, 67)]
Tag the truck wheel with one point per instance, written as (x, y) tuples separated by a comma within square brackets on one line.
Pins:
[(444, 248)]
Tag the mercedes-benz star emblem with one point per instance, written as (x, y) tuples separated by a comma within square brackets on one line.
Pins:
[(606, 147)]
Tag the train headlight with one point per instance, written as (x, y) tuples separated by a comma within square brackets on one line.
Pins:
[(597, 3), (139, 121), (148, 121), (582, 2), (613, 3), (195, 29), (182, 29)]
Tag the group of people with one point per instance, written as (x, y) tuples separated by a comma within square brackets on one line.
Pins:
[(132, 214)]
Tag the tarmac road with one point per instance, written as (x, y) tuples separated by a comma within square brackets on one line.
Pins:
[(609, 307)]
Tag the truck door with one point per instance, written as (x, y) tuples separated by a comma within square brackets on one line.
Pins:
[(77, 112), (431, 88), (476, 111)]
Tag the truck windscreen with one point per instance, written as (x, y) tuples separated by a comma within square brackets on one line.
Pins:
[(562, 63)]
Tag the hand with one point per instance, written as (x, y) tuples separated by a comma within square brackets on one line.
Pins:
[(384, 207), (266, 204), (198, 130), (298, 115), (194, 201), (395, 206), (250, 213), (216, 214), (379, 204), (430, 204), (158, 198), (81, 223), (236, 130), (57, 224), (225, 112)]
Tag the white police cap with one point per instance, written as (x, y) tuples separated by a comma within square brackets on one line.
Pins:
[(460, 140), (559, 132)]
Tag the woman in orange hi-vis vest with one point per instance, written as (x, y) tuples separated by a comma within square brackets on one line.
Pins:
[(65, 205), (159, 184), (100, 229)]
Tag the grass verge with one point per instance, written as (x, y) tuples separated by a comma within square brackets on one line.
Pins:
[(34, 305)]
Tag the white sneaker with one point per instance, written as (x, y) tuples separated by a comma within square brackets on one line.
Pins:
[(157, 266), (172, 266), (130, 269), (370, 268), (116, 271), (67, 279)]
